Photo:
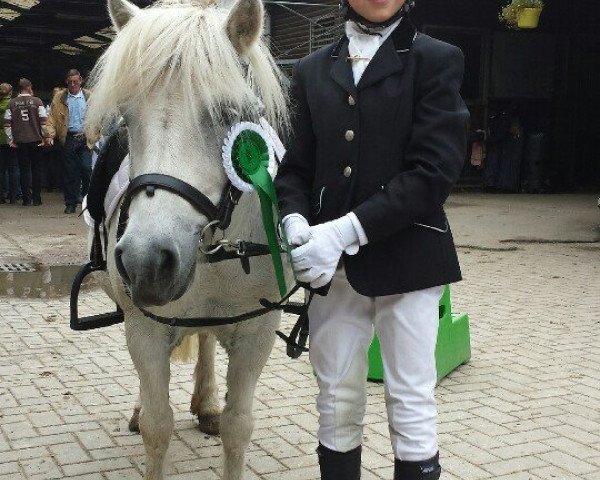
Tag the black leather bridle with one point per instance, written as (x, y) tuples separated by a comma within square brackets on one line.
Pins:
[(219, 216)]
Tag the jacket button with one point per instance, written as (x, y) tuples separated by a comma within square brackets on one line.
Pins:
[(351, 100), (349, 135), (347, 172)]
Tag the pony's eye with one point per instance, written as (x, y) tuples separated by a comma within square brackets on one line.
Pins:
[(229, 114)]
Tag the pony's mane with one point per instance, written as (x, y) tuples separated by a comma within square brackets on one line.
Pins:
[(184, 48)]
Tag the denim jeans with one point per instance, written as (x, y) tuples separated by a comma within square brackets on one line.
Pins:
[(78, 168)]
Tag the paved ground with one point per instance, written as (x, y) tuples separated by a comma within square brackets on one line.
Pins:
[(527, 406), (42, 234)]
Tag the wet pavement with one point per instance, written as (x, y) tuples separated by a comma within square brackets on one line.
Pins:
[(38, 281)]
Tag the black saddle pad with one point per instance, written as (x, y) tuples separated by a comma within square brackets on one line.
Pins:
[(110, 157)]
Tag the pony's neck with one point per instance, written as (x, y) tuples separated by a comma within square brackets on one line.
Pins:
[(246, 221)]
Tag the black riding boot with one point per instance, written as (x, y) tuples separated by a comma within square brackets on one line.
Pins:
[(425, 470), (339, 466)]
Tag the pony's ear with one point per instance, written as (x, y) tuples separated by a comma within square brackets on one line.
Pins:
[(121, 11), (244, 24)]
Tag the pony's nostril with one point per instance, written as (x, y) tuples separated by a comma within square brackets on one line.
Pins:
[(167, 261), (121, 266)]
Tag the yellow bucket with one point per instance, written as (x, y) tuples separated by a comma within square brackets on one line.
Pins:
[(528, 17)]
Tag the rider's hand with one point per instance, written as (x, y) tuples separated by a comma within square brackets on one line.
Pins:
[(315, 261), (12, 145), (297, 230)]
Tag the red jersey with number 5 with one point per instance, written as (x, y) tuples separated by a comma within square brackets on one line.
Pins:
[(27, 118)]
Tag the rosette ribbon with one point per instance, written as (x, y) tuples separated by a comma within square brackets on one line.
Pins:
[(249, 161)]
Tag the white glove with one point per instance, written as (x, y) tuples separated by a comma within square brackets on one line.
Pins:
[(297, 229), (315, 261)]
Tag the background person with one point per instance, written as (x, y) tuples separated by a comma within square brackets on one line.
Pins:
[(8, 155), (67, 123), (379, 139), (53, 153), (24, 120)]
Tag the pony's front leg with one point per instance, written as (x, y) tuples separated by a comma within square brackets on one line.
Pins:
[(205, 399), (247, 357), (150, 347)]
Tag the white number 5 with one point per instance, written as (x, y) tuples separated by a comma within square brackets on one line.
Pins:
[(25, 115)]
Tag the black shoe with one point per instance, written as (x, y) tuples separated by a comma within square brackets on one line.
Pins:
[(37, 203), (425, 470), (12, 201), (2, 200), (26, 203), (339, 466), (70, 209)]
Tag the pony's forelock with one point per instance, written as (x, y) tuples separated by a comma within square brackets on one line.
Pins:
[(168, 47)]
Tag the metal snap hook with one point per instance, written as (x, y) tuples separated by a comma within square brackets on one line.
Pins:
[(220, 244), (240, 248)]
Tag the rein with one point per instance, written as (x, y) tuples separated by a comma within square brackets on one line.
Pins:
[(267, 307)]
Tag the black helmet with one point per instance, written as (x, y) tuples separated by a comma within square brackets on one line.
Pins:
[(348, 13)]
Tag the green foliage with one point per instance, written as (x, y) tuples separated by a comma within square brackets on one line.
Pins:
[(509, 13)]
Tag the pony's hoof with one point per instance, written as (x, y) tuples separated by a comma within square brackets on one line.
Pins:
[(134, 422), (209, 424)]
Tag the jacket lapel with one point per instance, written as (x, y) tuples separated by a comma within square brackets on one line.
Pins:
[(386, 62), (390, 58), (341, 70)]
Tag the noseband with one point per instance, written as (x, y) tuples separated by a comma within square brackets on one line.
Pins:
[(219, 217)]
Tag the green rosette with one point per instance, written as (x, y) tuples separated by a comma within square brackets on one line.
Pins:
[(250, 155)]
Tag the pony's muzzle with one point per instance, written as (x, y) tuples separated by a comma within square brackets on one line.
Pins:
[(151, 273)]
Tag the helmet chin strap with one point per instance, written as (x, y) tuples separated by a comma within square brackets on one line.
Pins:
[(349, 13)]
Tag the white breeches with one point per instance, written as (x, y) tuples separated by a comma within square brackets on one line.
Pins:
[(341, 331)]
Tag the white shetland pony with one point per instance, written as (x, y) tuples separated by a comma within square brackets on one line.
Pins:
[(176, 72)]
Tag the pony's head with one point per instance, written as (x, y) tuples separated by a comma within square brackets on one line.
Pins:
[(178, 74)]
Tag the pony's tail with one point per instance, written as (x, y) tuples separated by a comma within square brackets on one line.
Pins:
[(187, 350)]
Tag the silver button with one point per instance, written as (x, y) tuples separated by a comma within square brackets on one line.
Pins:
[(349, 135), (351, 100), (347, 172)]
